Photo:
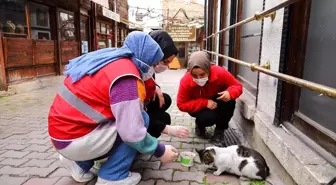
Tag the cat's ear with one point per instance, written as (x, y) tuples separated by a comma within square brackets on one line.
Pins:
[(213, 151), (200, 152)]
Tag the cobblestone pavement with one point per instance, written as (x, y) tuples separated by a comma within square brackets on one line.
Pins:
[(27, 157)]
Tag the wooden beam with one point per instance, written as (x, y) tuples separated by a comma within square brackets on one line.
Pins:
[(28, 20), (3, 78)]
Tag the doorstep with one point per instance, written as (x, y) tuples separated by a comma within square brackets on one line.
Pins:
[(37, 83)]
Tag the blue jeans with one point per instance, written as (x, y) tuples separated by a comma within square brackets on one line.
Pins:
[(120, 159)]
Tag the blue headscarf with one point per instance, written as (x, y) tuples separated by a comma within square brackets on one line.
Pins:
[(138, 46)]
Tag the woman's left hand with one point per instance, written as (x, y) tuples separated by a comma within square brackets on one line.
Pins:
[(224, 96), (159, 94)]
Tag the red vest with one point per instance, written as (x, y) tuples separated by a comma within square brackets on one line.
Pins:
[(78, 107)]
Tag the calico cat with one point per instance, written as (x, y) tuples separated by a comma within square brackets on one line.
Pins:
[(242, 161)]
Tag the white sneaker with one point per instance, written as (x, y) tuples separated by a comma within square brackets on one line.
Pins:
[(76, 172), (132, 179)]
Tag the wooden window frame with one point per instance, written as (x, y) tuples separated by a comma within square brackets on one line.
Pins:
[(87, 19), (299, 17), (222, 25)]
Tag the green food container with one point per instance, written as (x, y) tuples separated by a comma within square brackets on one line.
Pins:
[(187, 158)]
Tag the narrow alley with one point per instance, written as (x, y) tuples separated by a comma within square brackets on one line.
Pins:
[(274, 69), (27, 157)]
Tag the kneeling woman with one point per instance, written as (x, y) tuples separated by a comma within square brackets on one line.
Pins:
[(208, 92)]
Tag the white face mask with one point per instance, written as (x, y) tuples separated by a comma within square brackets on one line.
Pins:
[(201, 82), (148, 75), (160, 68)]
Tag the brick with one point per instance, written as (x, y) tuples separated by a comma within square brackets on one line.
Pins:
[(148, 182), (177, 145), (198, 167), (154, 158), (41, 172), (68, 181), (42, 181), (39, 163), (8, 180), (147, 165), (165, 137), (232, 180), (143, 157), (199, 140), (184, 140), (14, 154), (38, 155), (60, 172), (158, 174), (15, 147), (56, 164), (54, 155), (161, 182), (8, 170), (38, 141), (37, 148), (189, 176), (13, 162), (208, 145), (192, 146), (15, 140), (176, 166)]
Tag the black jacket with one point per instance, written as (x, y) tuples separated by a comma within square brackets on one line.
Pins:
[(166, 43)]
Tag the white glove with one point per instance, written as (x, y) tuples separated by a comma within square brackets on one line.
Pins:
[(178, 131)]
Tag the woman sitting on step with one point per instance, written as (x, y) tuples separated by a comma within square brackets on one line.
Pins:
[(208, 92)]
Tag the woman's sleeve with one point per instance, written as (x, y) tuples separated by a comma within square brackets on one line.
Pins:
[(127, 95)]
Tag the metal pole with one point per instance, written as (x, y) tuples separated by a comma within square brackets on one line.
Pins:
[(257, 16), (325, 90)]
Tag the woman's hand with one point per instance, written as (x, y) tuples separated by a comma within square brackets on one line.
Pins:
[(169, 155), (211, 105), (225, 96), (178, 131), (159, 93)]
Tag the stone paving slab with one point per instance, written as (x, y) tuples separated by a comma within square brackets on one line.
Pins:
[(27, 157)]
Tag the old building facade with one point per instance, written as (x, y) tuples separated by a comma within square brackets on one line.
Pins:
[(294, 127), (38, 37)]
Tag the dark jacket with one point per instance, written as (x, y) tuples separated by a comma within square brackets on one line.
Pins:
[(166, 43)]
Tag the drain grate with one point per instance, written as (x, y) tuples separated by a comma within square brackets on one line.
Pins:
[(231, 138)]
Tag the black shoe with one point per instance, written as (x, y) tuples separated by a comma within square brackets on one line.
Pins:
[(202, 133), (218, 139)]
